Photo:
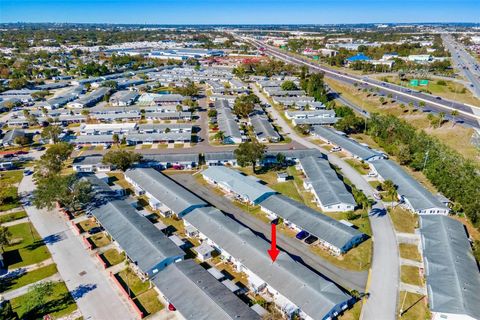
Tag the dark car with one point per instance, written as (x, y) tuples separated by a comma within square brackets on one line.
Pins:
[(95, 230), (311, 239), (302, 235), (41, 148), (22, 152)]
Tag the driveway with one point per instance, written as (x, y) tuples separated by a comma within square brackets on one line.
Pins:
[(95, 294)]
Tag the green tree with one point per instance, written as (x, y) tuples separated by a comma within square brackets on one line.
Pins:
[(5, 236), (190, 89), (219, 136), (249, 153), (122, 159), (21, 140), (391, 190), (6, 311), (51, 133), (37, 296), (212, 113), (289, 85), (245, 104), (52, 161), (115, 138), (454, 115)]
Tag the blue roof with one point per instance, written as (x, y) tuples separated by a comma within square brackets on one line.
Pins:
[(359, 57)]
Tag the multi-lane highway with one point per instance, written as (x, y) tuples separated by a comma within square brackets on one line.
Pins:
[(468, 114), (463, 61)]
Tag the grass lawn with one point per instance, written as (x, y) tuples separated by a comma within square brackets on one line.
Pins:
[(352, 313), (27, 278), (146, 146), (403, 220), (178, 145), (128, 278), (162, 146), (414, 306), (358, 258), (12, 176), (86, 225), (361, 168), (100, 239), (148, 302), (24, 249), (118, 178), (409, 251), (113, 257), (411, 275), (11, 201), (59, 304), (12, 216), (288, 189)]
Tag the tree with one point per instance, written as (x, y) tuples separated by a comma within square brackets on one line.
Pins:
[(6, 311), (21, 140), (219, 136), (37, 296), (5, 236), (121, 159), (51, 162), (179, 108), (190, 89), (212, 113), (454, 114), (315, 87), (245, 104), (51, 133), (248, 153), (391, 189), (280, 158), (115, 138), (110, 84), (289, 85)]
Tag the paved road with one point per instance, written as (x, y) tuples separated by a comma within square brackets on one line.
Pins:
[(95, 294), (468, 114), (468, 66), (384, 274), (299, 251)]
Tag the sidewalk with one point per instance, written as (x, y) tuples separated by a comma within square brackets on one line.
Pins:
[(18, 209), (23, 290), (14, 222)]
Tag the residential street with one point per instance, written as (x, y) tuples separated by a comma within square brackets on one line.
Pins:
[(95, 294), (384, 275)]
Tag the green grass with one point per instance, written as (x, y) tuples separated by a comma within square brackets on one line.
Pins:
[(99, 240), (86, 225), (414, 306), (113, 257), (409, 251), (59, 304), (11, 200), (403, 220), (178, 145), (27, 278), (24, 249), (410, 275), (288, 189), (128, 278), (13, 176), (148, 302), (12, 216), (361, 168)]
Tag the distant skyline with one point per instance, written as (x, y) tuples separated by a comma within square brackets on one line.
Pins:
[(239, 12)]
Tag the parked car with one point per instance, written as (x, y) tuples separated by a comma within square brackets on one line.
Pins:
[(171, 307), (27, 172), (311, 240), (336, 149), (95, 230), (372, 174), (302, 235)]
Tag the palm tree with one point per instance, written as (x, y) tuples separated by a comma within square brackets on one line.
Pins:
[(391, 190), (442, 116), (219, 136), (454, 113)]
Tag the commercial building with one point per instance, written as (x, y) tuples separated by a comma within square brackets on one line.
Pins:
[(413, 195), (244, 188), (330, 192), (453, 279), (334, 236), (355, 149), (163, 194)]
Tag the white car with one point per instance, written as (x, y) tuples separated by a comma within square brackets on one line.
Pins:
[(336, 149)]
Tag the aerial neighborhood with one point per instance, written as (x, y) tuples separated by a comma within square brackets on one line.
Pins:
[(239, 172)]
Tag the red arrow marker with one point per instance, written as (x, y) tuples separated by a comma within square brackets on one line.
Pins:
[(273, 252)]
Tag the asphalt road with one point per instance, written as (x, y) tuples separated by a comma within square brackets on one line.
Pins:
[(468, 66), (468, 115), (95, 294), (298, 250), (384, 274)]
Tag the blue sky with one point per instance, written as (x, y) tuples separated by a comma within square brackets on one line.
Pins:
[(236, 11)]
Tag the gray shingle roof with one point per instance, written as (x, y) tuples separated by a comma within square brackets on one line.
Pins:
[(140, 239), (352, 146), (172, 157), (242, 185), (315, 295), (453, 278), (197, 295), (165, 190), (316, 223), (419, 197), (328, 187), (264, 128)]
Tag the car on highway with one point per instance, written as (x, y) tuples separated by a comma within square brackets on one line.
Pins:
[(310, 240), (302, 235)]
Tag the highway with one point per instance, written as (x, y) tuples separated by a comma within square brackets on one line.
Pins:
[(467, 114), (463, 61)]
